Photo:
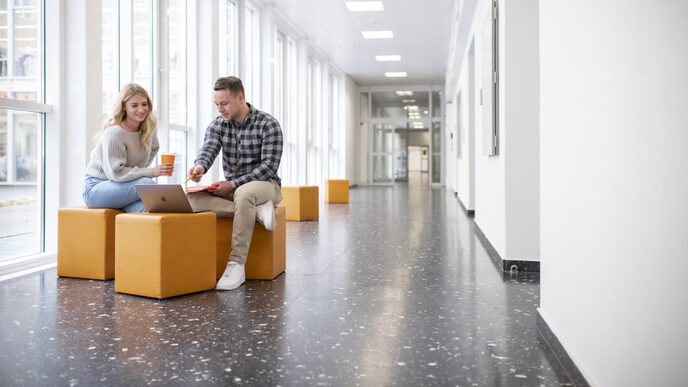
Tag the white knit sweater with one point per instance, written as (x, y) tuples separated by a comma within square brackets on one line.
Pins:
[(119, 156)]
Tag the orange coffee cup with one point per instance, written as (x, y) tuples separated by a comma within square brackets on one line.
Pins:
[(168, 159)]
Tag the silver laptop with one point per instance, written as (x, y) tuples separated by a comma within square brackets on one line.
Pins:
[(164, 198)]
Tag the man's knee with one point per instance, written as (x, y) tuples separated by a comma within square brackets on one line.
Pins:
[(243, 195)]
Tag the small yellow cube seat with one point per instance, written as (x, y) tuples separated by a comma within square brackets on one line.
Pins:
[(336, 191), (267, 254), (301, 202), (86, 242), (164, 255)]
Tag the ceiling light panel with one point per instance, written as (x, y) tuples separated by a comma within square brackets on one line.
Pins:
[(402, 93), (364, 6), (388, 58), (377, 34), (397, 74)]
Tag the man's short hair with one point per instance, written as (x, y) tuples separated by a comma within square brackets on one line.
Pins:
[(233, 84)]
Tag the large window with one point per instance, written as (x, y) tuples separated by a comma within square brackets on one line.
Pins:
[(436, 143), (289, 164), (110, 28), (142, 32), (21, 128), (127, 48), (131, 49), (313, 135), (177, 62), (229, 38), (279, 77), (334, 129), (251, 79), (177, 112)]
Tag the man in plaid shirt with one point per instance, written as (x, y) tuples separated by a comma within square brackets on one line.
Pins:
[(251, 144)]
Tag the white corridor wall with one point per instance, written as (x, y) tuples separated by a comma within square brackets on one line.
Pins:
[(505, 186), (613, 171)]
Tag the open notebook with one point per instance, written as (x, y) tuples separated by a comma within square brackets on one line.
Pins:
[(199, 188)]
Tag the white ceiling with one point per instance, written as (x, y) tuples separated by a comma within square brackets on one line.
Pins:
[(421, 36)]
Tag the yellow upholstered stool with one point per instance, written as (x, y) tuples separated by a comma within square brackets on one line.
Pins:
[(337, 191), (301, 202), (267, 254), (164, 255), (86, 242)]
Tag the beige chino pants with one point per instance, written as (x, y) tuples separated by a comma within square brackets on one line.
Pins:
[(241, 204)]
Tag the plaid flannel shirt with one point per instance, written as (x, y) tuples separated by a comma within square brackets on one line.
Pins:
[(250, 151)]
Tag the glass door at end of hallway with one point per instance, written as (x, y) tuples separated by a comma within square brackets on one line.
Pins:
[(382, 154)]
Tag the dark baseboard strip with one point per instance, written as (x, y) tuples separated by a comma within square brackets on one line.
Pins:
[(559, 352), (505, 265), (468, 213), (494, 255), (521, 265)]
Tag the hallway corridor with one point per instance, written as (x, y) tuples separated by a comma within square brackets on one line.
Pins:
[(394, 288)]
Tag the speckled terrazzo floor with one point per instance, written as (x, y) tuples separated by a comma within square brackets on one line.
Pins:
[(391, 289)]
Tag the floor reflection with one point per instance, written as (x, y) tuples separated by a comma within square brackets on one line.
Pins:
[(392, 288)]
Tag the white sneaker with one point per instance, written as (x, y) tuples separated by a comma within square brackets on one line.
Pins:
[(265, 214), (233, 277)]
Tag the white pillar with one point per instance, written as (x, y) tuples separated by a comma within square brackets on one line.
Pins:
[(82, 93)]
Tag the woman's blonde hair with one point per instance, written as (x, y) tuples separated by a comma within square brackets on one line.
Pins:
[(119, 114)]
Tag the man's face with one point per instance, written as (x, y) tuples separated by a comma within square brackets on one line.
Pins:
[(228, 105)]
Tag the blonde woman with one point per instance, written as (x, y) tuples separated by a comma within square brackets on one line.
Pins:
[(127, 145)]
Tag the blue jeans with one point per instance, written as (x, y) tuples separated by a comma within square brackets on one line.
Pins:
[(100, 193)]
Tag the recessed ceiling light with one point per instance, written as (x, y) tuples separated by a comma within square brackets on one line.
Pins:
[(363, 6), (408, 100), (402, 93), (388, 58), (377, 34), (398, 74)]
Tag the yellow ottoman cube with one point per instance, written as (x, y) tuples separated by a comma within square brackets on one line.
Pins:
[(164, 255), (267, 254), (86, 242), (301, 202), (337, 191)]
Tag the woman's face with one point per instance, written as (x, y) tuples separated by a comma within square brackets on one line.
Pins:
[(136, 108)]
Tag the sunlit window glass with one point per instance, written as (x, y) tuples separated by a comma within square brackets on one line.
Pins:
[(25, 38), (177, 62), (4, 146), (20, 60), (314, 158), (110, 68), (4, 47), (143, 47), (278, 95), (252, 60), (292, 112), (177, 147), (20, 206), (228, 43)]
